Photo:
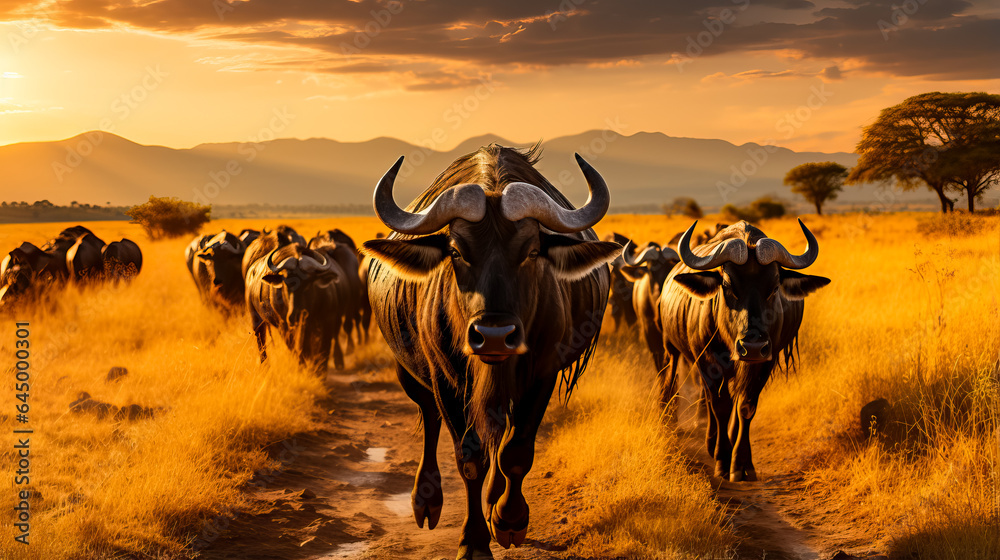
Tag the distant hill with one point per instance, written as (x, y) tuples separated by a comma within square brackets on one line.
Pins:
[(643, 170)]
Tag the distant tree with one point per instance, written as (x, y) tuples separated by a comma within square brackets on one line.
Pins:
[(169, 217), (685, 206), (817, 182), (948, 141)]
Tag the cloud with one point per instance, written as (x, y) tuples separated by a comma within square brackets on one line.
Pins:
[(939, 40)]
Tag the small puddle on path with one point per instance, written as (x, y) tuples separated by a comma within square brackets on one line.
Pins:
[(376, 454), (399, 504)]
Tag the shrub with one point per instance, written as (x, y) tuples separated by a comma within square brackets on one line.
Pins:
[(685, 206), (764, 208), (169, 217)]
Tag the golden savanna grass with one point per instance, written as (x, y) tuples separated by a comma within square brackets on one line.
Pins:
[(909, 318)]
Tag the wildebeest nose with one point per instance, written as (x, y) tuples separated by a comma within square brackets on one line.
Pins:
[(754, 351), (488, 339)]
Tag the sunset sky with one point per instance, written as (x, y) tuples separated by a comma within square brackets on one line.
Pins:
[(182, 72)]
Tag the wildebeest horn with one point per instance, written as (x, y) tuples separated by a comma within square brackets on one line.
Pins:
[(270, 262), (310, 264), (524, 200), (730, 250), (466, 201), (769, 250), (644, 257)]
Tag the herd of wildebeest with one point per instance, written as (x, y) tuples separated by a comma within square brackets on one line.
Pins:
[(490, 290)]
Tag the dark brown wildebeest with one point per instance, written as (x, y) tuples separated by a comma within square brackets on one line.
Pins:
[(268, 241), (293, 289), (122, 260), (215, 264), (647, 272), (61, 245), (489, 287), (620, 300), (84, 260), (732, 308), (24, 269), (340, 247), (248, 235)]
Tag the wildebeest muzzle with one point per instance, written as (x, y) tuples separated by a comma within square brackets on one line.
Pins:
[(494, 337)]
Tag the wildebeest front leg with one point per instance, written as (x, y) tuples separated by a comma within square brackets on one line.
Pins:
[(508, 509), (260, 331), (721, 408), (473, 464), (427, 496)]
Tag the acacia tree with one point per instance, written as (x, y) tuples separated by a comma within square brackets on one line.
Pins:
[(817, 182), (947, 141)]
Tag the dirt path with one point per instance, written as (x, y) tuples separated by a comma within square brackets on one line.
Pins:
[(344, 492), (777, 517)]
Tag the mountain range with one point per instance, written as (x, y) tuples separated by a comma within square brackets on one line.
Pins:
[(643, 170)]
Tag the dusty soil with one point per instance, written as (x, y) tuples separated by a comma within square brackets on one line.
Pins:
[(344, 493)]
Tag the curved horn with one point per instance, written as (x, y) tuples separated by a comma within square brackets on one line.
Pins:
[(270, 262), (730, 250), (311, 264), (524, 200), (466, 201), (649, 254), (769, 250)]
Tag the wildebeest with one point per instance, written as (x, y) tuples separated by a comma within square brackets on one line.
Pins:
[(84, 260), (268, 241), (732, 309), (341, 248), (292, 289), (122, 259), (620, 300), (24, 268), (215, 263), (248, 235), (647, 272), (60, 246), (489, 286)]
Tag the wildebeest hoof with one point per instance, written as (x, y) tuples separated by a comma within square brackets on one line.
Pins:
[(721, 469), (431, 513), (507, 534), (750, 475), (465, 552), (736, 476)]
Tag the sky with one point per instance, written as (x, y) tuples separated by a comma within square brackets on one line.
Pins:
[(804, 75)]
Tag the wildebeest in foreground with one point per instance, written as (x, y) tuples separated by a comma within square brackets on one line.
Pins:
[(122, 260), (489, 287), (341, 248), (215, 264), (292, 289), (731, 309), (26, 268), (620, 299), (647, 272)]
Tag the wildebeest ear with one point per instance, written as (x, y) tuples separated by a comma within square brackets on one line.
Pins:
[(413, 259), (573, 259), (274, 279), (795, 285), (633, 273), (700, 284)]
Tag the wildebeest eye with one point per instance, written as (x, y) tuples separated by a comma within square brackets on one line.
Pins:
[(533, 254), (455, 254)]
